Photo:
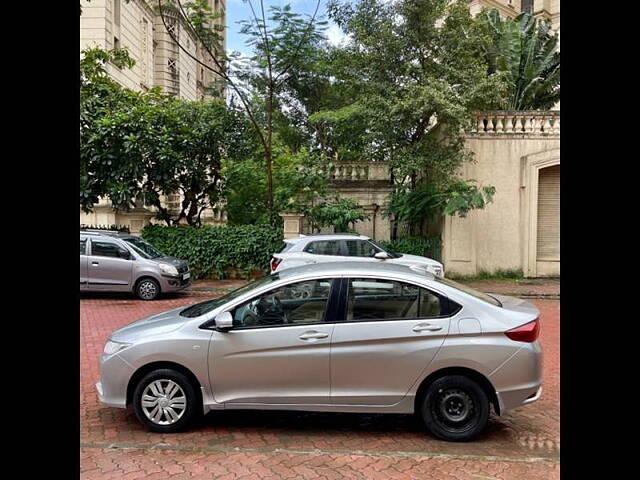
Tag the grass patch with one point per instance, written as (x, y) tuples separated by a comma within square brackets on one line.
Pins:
[(486, 275)]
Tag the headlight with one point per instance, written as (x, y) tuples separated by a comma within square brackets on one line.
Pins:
[(112, 347), (169, 269)]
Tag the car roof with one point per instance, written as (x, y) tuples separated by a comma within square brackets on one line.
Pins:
[(354, 268), (327, 236), (106, 233)]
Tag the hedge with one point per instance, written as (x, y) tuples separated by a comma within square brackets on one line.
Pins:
[(218, 252), (424, 246)]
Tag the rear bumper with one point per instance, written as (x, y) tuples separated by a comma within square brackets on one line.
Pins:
[(518, 381), (508, 399)]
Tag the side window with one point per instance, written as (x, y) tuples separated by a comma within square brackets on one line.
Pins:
[(295, 304), (376, 299), (328, 247), (83, 246), (360, 248), (107, 249)]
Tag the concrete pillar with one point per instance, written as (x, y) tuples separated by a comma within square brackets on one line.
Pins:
[(292, 223)]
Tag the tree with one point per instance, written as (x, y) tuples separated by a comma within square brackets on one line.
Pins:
[(99, 96), (341, 213), (527, 50), (278, 41), (141, 146), (419, 69)]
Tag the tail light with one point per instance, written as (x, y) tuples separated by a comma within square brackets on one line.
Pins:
[(525, 333), (274, 263)]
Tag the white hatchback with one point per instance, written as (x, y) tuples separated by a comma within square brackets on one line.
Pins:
[(310, 249)]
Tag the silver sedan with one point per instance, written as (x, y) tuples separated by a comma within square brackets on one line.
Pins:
[(335, 337)]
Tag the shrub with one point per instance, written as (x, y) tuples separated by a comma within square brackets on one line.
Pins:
[(423, 246), (218, 252)]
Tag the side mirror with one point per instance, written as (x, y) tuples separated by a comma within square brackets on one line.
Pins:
[(381, 255), (224, 321), (124, 254)]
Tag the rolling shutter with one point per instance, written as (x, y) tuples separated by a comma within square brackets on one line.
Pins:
[(548, 247)]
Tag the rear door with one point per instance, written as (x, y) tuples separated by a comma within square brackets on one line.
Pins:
[(320, 251), (83, 264), (107, 270), (389, 333)]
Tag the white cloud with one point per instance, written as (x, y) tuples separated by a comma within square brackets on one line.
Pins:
[(335, 35)]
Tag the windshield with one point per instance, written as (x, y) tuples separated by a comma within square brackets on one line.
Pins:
[(380, 249), (205, 307), (469, 290), (145, 249)]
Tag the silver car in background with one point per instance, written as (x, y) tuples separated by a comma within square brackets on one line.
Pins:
[(333, 337), (118, 262), (322, 248)]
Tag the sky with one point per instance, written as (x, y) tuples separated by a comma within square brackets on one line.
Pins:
[(239, 10)]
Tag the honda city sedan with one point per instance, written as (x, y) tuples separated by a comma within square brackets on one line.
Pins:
[(331, 337)]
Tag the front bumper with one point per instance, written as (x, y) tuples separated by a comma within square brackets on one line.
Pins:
[(174, 284), (114, 379)]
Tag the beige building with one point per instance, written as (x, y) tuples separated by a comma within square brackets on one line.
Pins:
[(519, 154), (136, 26)]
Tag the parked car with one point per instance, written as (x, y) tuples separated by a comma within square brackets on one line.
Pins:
[(331, 337), (310, 249), (117, 262)]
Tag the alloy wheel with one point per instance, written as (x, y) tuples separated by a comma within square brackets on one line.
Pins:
[(147, 290), (163, 402)]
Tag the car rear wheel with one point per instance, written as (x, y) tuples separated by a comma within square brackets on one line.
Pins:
[(165, 401), (455, 408), (147, 289)]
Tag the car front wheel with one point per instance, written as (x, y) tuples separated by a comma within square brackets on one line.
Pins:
[(165, 401), (455, 408), (147, 289)]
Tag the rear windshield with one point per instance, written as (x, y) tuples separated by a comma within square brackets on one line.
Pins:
[(285, 246), (205, 307), (469, 290)]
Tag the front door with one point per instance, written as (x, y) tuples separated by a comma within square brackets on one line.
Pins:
[(390, 333), (107, 268), (278, 350)]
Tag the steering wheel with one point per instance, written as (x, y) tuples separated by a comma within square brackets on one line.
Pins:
[(278, 309)]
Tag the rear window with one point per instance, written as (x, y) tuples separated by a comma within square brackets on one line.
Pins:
[(286, 246), (327, 247), (466, 289)]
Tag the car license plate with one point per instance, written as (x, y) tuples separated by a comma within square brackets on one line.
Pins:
[(186, 275)]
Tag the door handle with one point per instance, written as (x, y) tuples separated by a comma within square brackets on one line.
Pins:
[(426, 327), (95, 263), (313, 335)]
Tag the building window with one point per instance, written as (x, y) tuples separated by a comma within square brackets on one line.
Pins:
[(527, 6), (116, 12)]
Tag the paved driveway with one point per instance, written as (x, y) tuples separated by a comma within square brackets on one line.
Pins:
[(522, 444)]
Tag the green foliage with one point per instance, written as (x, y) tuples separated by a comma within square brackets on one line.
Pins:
[(499, 274), (341, 213), (144, 145), (427, 201), (527, 50), (429, 247), (214, 252), (298, 179), (416, 70)]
